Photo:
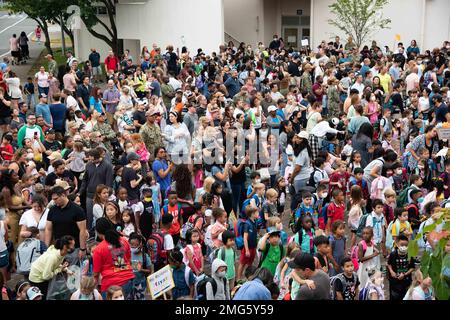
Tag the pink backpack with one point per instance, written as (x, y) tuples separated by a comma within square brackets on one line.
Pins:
[(354, 254)]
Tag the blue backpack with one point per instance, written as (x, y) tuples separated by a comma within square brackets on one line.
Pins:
[(240, 233), (247, 203)]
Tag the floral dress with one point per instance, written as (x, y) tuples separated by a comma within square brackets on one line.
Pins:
[(417, 144)]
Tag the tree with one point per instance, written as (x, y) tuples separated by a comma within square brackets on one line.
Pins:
[(359, 18), (88, 14), (39, 11), (436, 263)]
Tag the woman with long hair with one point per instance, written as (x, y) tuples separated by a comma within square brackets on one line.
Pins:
[(112, 259), (185, 189), (95, 100), (302, 163), (100, 199), (177, 138), (362, 142), (35, 217)]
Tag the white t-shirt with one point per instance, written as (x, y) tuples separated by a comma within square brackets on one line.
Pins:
[(2, 236), (42, 79), (14, 87), (96, 295), (28, 220), (71, 103), (168, 242)]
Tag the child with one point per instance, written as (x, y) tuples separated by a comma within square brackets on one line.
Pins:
[(414, 216), (192, 253), (257, 199), (380, 183), (306, 208), (280, 187), (249, 235), (174, 208), (183, 278), (87, 290), (141, 150), (156, 196), (115, 293), (220, 216), (398, 178), (377, 222), (339, 178), (319, 175), (6, 149), (275, 222), (322, 257), (227, 254), (366, 254), (337, 244), (117, 182), (112, 213), (269, 207), (77, 157), (400, 225), (358, 180), (356, 212), (272, 251), (100, 199), (23, 254), (420, 288), (122, 198), (216, 191), (346, 284), (141, 264), (319, 201), (445, 176), (28, 89), (166, 224), (400, 269), (304, 234), (144, 213), (129, 222), (335, 210), (390, 202), (355, 162), (256, 179)]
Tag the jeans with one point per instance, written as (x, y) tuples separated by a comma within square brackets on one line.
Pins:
[(298, 184), (43, 90), (31, 101), (237, 190), (89, 213)]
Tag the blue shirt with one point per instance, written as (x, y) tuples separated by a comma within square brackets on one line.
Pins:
[(58, 111), (250, 228), (179, 279), (280, 113), (163, 182), (233, 86), (253, 290), (97, 104), (156, 91), (44, 111)]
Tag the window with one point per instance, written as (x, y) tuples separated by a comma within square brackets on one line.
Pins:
[(290, 21)]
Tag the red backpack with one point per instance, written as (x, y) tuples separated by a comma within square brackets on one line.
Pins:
[(155, 247)]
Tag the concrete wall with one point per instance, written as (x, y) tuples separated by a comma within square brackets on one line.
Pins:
[(241, 20), (406, 16), (176, 22)]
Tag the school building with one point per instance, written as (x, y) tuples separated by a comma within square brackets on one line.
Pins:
[(208, 23)]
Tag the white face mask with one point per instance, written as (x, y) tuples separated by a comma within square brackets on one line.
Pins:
[(119, 298), (324, 195), (403, 250), (399, 171), (221, 274)]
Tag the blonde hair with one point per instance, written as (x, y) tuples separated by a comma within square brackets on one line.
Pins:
[(389, 192), (87, 283), (271, 193), (207, 184), (260, 185), (273, 221)]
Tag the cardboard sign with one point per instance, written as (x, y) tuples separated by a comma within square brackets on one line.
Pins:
[(160, 282), (305, 42)]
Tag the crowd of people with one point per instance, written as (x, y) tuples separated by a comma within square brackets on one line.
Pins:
[(255, 173)]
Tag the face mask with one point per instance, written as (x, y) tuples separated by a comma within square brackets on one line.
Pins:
[(134, 250), (85, 297), (258, 180), (403, 250), (324, 195), (420, 200), (119, 298), (221, 274), (399, 171), (148, 199)]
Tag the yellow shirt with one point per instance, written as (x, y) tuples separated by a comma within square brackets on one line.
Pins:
[(46, 266), (385, 81), (404, 226)]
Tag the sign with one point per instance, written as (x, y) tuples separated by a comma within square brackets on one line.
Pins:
[(305, 42), (300, 12), (292, 39), (397, 37), (160, 282)]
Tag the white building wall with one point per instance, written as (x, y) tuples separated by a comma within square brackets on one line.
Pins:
[(244, 20), (406, 16), (84, 41), (191, 23)]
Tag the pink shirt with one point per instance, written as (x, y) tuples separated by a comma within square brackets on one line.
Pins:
[(216, 230)]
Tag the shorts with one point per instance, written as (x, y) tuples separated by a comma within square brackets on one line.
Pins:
[(4, 259), (96, 71), (247, 260), (5, 120)]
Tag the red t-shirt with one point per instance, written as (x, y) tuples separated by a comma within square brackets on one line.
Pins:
[(175, 228), (111, 63), (7, 148), (335, 212), (339, 177), (114, 264)]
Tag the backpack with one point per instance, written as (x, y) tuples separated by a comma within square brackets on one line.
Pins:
[(155, 247), (247, 203), (361, 225), (364, 293), (266, 252), (185, 257), (323, 217), (402, 198), (333, 279), (219, 253), (354, 254), (188, 226), (27, 252), (240, 234), (201, 287), (389, 237), (311, 181)]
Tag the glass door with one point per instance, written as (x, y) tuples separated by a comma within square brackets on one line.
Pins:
[(290, 37)]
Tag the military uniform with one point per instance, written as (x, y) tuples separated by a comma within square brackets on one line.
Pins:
[(107, 133), (151, 134)]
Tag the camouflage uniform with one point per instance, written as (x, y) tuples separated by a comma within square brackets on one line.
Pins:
[(151, 134), (107, 133), (306, 82)]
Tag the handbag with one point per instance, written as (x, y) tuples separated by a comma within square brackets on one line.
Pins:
[(58, 289)]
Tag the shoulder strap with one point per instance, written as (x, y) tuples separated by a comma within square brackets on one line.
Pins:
[(186, 275)]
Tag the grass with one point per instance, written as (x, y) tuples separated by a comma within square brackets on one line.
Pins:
[(42, 60)]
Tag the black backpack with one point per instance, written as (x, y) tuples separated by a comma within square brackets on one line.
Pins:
[(312, 182), (201, 287)]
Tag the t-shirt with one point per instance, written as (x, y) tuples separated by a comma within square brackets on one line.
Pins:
[(349, 292), (385, 80), (322, 290), (137, 258), (230, 260), (140, 117), (304, 161), (58, 111), (399, 264), (335, 212), (175, 212), (181, 287), (274, 256), (163, 182), (114, 264), (250, 228), (66, 176), (441, 112), (128, 175), (64, 221)]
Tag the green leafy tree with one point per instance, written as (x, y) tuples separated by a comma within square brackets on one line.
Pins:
[(435, 264), (359, 18)]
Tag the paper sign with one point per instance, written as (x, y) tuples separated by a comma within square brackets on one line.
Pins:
[(160, 282), (397, 37), (305, 42), (292, 39)]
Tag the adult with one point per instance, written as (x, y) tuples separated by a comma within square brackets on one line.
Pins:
[(58, 112), (95, 100), (60, 172), (52, 65), (358, 120), (256, 288), (23, 43), (428, 141), (66, 218), (302, 163), (374, 168), (190, 119), (34, 217), (111, 62), (14, 48), (50, 263), (41, 79), (162, 169), (30, 131), (183, 185), (151, 132), (83, 94), (14, 201), (111, 97), (14, 90), (98, 171), (5, 111), (177, 139), (413, 50), (43, 109), (94, 59), (304, 266), (412, 80), (442, 111), (131, 178), (232, 84), (70, 80), (112, 259), (362, 142), (107, 133)]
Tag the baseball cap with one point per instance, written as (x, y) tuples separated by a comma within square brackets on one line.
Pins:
[(33, 293), (42, 95), (132, 156), (49, 131), (55, 156), (302, 261), (303, 135), (272, 108), (63, 184), (152, 112), (273, 231)]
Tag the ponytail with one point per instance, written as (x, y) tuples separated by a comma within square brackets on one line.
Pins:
[(105, 227), (113, 237)]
